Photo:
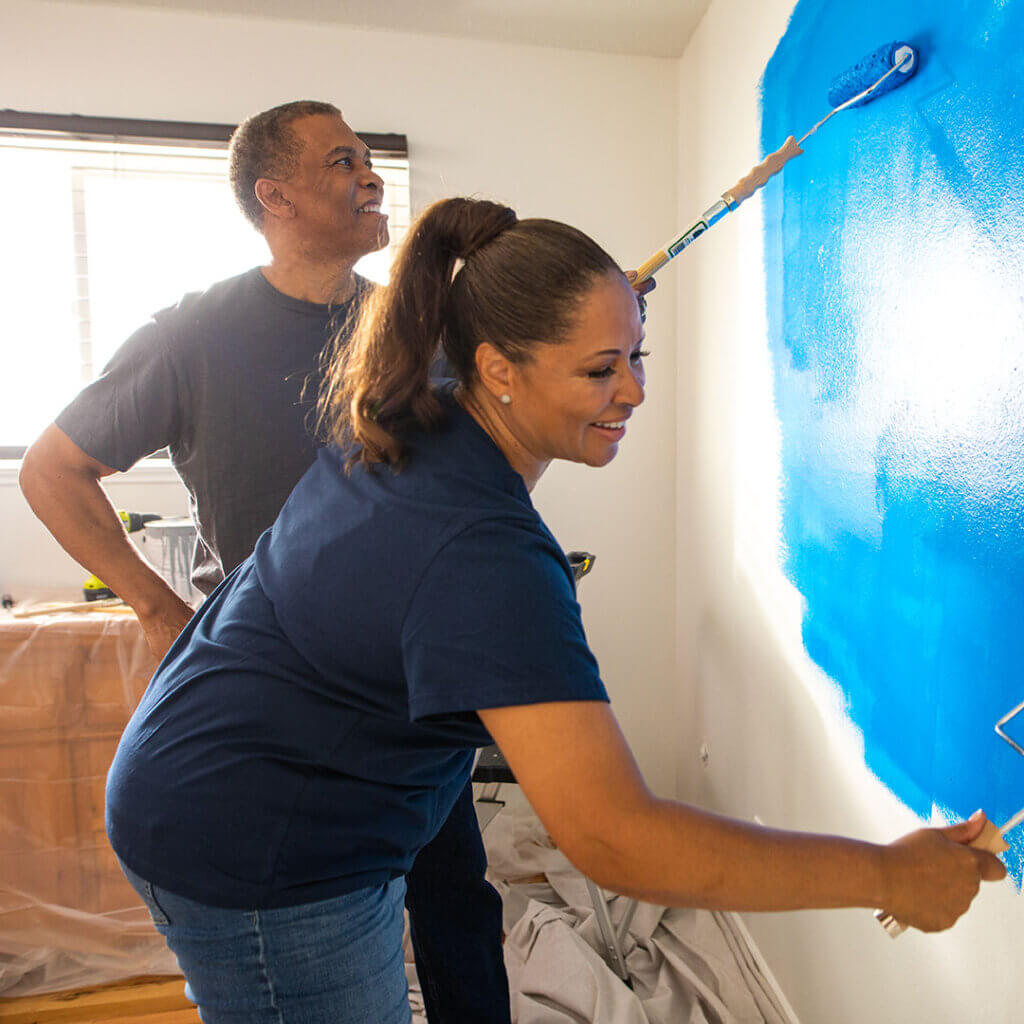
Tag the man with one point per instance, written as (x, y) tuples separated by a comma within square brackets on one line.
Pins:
[(227, 380)]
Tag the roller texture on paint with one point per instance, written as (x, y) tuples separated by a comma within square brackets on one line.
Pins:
[(894, 268)]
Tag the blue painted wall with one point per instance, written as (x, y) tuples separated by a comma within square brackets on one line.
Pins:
[(895, 268)]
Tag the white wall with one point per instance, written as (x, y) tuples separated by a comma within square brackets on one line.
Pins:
[(553, 133), (779, 748)]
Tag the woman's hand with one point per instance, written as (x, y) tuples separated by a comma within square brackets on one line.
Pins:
[(933, 875), (641, 289)]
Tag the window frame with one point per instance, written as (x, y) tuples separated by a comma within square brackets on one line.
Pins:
[(159, 132)]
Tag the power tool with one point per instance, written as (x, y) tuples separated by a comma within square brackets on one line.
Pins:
[(94, 589)]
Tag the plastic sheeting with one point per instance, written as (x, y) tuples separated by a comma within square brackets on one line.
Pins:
[(68, 684)]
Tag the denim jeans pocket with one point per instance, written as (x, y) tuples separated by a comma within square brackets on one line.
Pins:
[(146, 894), (153, 906)]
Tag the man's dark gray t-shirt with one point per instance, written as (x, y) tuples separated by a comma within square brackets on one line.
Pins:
[(227, 381)]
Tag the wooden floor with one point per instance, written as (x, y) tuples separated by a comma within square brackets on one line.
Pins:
[(138, 1001)]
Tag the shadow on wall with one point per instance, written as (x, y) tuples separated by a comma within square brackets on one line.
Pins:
[(895, 281)]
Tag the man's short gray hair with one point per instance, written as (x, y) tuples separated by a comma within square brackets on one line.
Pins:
[(265, 146)]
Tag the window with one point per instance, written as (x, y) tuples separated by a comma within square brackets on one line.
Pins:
[(109, 221)]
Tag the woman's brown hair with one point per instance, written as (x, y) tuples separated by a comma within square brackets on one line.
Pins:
[(469, 271)]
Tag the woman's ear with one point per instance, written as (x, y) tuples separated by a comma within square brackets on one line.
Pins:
[(495, 371)]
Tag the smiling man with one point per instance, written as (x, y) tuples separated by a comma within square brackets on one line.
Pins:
[(227, 380)]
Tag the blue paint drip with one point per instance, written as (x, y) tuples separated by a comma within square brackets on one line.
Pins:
[(895, 270)]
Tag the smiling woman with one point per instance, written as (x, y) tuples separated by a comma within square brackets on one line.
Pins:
[(464, 277), (311, 730)]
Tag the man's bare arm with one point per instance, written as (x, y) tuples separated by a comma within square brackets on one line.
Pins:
[(62, 485)]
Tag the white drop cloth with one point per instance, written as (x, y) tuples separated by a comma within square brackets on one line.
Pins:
[(686, 966)]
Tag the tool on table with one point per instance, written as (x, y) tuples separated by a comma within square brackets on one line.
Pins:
[(880, 72), (94, 589), (581, 562), (991, 837)]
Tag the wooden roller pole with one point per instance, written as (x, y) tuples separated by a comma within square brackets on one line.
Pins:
[(760, 175)]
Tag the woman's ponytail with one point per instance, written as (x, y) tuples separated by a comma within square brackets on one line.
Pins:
[(469, 272), (377, 385)]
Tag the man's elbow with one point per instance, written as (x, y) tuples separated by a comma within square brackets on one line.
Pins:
[(49, 464), (33, 473)]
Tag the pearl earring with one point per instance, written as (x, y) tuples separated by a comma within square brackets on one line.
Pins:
[(506, 399)]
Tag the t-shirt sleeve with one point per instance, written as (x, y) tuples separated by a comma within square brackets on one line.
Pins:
[(131, 409), (494, 622)]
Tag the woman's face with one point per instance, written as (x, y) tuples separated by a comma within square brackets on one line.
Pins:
[(572, 400)]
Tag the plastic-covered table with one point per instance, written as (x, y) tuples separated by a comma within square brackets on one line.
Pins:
[(68, 684)]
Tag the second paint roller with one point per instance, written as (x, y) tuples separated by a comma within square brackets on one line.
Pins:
[(991, 837), (879, 72)]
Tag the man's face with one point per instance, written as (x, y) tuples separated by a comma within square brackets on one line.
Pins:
[(334, 191)]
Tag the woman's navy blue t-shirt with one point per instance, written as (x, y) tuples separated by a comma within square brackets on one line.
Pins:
[(312, 727)]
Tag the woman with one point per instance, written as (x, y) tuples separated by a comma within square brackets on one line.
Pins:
[(311, 728)]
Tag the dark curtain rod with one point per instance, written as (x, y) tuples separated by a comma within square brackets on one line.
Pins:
[(184, 131)]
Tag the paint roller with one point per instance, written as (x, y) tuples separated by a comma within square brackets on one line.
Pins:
[(885, 69), (991, 836)]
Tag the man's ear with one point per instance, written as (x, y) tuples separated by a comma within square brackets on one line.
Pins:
[(272, 199), (496, 372)]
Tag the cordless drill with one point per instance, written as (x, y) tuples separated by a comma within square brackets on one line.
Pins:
[(94, 588)]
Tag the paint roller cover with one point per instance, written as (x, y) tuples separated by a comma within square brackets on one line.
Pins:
[(868, 71)]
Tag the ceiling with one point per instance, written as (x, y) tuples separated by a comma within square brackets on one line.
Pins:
[(655, 28)]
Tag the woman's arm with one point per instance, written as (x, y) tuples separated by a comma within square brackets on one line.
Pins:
[(579, 774)]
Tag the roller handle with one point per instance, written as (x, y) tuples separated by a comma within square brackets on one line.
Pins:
[(764, 171), (989, 839), (651, 266), (743, 189)]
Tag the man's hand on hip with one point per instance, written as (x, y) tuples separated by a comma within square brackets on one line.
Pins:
[(163, 626)]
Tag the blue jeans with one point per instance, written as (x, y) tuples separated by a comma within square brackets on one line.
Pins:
[(455, 924), (336, 961)]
